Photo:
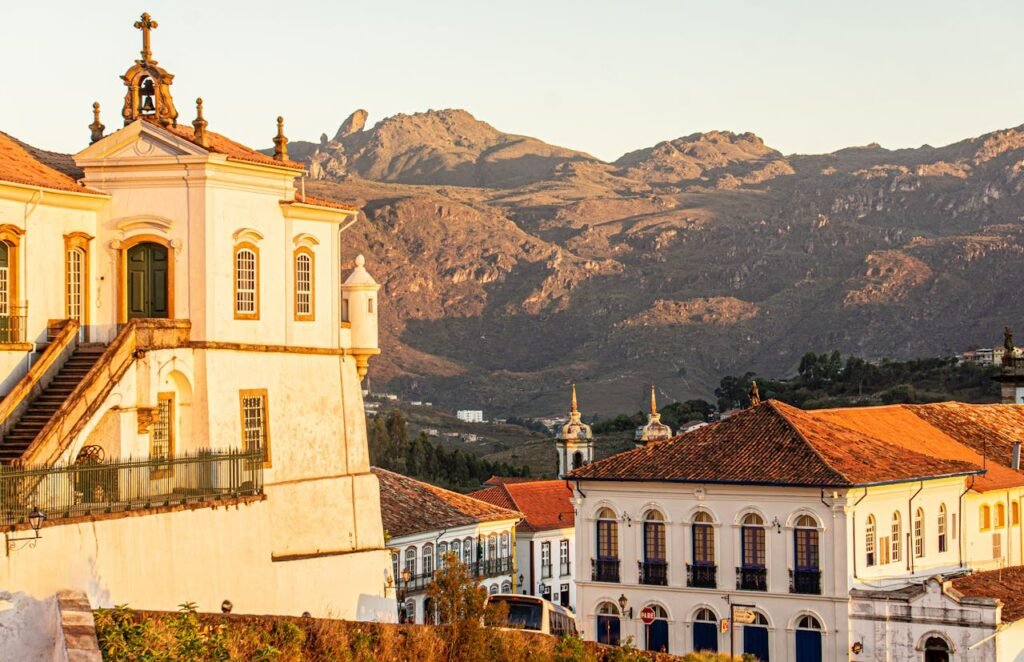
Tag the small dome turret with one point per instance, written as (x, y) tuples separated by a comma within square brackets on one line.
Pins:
[(655, 430), (574, 442)]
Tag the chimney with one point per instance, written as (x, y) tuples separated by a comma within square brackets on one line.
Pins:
[(1015, 461)]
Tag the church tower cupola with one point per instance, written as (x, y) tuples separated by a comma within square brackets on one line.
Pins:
[(655, 430), (149, 86), (575, 442)]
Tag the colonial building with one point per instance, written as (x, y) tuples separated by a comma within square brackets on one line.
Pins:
[(426, 524), (869, 533), (545, 537), (181, 354)]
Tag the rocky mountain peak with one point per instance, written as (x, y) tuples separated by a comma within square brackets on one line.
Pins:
[(354, 123)]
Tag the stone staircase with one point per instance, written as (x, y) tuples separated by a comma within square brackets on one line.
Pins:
[(46, 404)]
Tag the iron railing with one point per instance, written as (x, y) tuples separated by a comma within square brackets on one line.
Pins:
[(481, 570), (120, 484), (807, 582), (654, 573), (701, 576), (605, 570), (12, 326), (752, 579)]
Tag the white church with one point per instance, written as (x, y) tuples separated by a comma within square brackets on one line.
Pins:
[(180, 361)]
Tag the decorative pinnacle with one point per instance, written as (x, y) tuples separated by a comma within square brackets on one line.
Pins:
[(280, 142), (654, 403), (96, 127), (146, 24), (574, 410), (199, 124)]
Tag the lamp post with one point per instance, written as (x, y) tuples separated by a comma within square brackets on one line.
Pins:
[(522, 580), (36, 518), (403, 587)]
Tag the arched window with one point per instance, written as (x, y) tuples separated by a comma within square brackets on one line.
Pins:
[(608, 624), (492, 547), (12, 323), (457, 550), (493, 590), (1000, 515), (410, 612), (936, 649), (76, 279), (607, 564), (247, 274), (808, 639), (941, 527), (654, 569), (753, 543), (505, 546), (985, 516), (919, 533), (410, 560), (656, 634), (428, 559), (467, 551), (895, 540), (869, 541), (442, 554), (506, 587), (702, 573), (755, 637), (577, 460), (705, 631), (807, 572), (305, 288), (394, 567)]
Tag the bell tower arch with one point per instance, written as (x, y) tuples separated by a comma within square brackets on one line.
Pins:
[(575, 442), (149, 85)]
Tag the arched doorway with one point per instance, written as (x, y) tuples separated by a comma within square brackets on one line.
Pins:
[(705, 631), (656, 634), (608, 624), (808, 639), (146, 281), (936, 649), (755, 638)]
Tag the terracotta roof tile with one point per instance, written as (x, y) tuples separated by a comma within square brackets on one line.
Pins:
[(1006, 585), (774, 444), (501, 480), (233, 150), (951, 431), (21, 163), (409, 506), (322, 202), (545, 504)]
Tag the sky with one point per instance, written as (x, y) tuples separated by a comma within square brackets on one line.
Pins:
[(597, 76)]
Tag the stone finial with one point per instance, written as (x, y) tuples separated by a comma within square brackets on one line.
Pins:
[(96, 127), (574, 408), (280, 142), (754, 395), (199, 125), (654, 403)]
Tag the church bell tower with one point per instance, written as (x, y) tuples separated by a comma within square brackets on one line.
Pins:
[(149, 86), (575, 442)]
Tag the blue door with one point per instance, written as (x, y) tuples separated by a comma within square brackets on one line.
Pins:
[(608, 630), (808, 646), (755, 641), (705, 637), (657, 636)]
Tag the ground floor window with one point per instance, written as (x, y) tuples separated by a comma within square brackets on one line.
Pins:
[(705, 631), (755, 638), (608, 624), (656, 634), (808, 640)]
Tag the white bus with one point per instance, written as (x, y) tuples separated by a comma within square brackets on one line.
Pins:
[(528, 612)]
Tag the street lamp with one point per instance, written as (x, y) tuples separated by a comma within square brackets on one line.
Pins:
[(622, 605), (36, 518), (403, 587)]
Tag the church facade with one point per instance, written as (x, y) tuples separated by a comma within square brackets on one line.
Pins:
[(180, 359)]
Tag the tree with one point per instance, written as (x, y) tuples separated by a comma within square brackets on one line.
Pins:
[(461, 604)]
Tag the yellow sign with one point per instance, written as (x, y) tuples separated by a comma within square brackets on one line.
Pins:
[(744, 615)]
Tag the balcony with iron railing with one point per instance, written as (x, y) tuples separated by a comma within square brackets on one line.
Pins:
[(701, 576), (751, 578), (93, 486), (653, 572), (806, 581), (481, 570), (605, 570)]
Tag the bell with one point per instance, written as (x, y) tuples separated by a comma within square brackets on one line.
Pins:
[(147, 104)]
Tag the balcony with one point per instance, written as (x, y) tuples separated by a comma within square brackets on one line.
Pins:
[(653, 573), (12, 327), (751, 579), (807, 582), (565, 569), (701, 576), (605, 570), (545, 571), (481, 570)]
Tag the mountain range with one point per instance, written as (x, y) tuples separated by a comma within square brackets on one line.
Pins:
[(512, 268)]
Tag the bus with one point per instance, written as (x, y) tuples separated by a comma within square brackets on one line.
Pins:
[(528, 612)]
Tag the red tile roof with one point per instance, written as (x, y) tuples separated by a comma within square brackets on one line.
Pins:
[(409, 506), (774, 444), (501, 480), (1006, 585), (233, 150), (546, 504), (21, 163), (322, 202)]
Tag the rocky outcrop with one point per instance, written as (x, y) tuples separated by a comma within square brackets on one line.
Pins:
[(354, 123)]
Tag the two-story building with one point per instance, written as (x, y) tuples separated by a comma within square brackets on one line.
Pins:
[(839, 534)]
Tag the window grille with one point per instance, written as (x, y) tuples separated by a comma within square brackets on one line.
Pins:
[(245, 282)]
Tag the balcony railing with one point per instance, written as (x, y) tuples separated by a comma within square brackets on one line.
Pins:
[(12, 326), (605, 570), (701, 576), (654, 573), (545, 571), (565, 569), (807, 582), (482, 569), (117, 485), (751, 579)]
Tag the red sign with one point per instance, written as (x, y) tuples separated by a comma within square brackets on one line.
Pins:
[(647, 615), (724, 627)]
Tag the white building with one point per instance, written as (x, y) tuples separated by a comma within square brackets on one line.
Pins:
[(574, 443), (168, 295), (470, 415), (427, 523), (841, 534), (545, 537)]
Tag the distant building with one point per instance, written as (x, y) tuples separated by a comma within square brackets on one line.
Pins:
[(431, 432), (574, 443), (470, 415), (469, 437), (654, 430), (416, 403), (545, 538), (426, 523)]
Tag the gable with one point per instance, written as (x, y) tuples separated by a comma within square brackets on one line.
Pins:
[(139, 141)]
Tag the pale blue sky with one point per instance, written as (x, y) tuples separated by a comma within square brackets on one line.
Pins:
[(603, 77)]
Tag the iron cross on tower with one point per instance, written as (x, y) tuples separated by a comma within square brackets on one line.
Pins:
[(146, 23)]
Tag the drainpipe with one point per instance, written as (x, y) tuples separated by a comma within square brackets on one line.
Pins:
[(854, 541), (910, 537), (960, 524), (22, 276)]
